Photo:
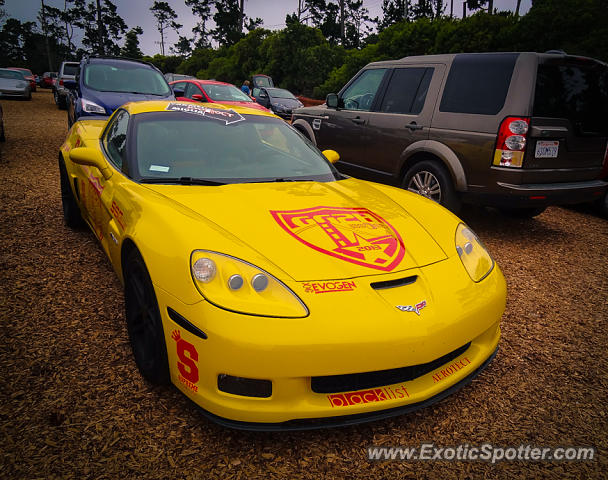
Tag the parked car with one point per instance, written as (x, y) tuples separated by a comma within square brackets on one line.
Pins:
[(13, 83), (173, 77), (519, 131), (282, 102), (48, 79), (212, 91), (67, 72), (270, 289), (28, 75), (106, 83), (260, 80)]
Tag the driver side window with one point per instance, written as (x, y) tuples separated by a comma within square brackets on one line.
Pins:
[(191, 89), (115, 140), (360, 94)]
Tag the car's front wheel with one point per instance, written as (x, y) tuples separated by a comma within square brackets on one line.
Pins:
[(431, 180), (143, 321)]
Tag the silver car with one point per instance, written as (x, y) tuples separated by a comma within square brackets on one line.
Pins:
[(14, 84)]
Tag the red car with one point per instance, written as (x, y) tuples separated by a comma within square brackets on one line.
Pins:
[(213, 92), (28, 76), (48, 79)]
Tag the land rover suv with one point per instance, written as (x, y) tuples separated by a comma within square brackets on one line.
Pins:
[(519, 131)]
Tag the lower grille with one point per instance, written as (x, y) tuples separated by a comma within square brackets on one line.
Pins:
[(380, 378)]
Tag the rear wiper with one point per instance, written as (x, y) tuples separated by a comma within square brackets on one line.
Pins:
[(182, 181)]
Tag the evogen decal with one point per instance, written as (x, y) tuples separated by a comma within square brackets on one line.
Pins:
[(356, 235), (226, 116)]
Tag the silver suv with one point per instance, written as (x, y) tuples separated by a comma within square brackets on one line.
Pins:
[(518, 131), (67, 71)]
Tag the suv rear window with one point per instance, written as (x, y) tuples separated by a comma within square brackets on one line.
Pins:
[(574, 91), (478, 83), (70, 69)]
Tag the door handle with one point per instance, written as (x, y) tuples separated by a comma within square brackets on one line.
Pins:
[(414, 126), (358, 121)]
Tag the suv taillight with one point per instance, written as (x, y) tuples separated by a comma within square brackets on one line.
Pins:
[(511, 142), (61, 82)]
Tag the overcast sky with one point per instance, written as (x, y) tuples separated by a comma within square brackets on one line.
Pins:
[(273, 12)]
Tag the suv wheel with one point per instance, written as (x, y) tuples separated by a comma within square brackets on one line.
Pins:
[(431, 180), (58, 100)]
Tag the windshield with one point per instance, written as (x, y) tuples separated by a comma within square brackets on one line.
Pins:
[(12, 74), (126, 78), (172, 146), (280, 93), (225, 93)]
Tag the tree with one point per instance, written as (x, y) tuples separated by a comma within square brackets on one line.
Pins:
[(311, 12), (229, 20), (201, 9), (394, 11), (131, 47), (102, 25), (165, 18), (183, 47)]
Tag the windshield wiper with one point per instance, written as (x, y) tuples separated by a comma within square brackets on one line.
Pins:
[(183, 181)]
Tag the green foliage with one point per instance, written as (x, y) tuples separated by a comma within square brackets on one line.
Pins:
[(198, 61), (131, 47), (165, 63)]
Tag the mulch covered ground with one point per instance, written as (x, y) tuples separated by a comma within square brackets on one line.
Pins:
[(72, 404)]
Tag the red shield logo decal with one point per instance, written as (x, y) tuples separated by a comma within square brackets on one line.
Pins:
[(356, 235)]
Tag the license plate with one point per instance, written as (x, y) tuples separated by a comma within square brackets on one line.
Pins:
[(546, 149)]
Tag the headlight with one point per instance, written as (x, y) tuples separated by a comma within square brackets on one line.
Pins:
[(92, 107), (476, 260), (239, 286)]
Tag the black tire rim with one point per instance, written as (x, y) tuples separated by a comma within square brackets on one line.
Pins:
[(425, 183), (142, 319)]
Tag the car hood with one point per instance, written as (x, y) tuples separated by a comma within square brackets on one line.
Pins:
[(13, 83), (112, 100), (315, 230), (286, 102)]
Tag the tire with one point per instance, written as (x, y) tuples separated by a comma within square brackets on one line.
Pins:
[(71, 212), (59, 101), (529, 212), (144, 323), (431, 180), (602, 205)]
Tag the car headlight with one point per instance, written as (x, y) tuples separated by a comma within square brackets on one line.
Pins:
[(92, 107), (239, 286), (476, 260)]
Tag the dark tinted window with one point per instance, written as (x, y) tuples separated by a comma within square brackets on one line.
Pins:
[(478, 83), (70, 69), (115, 141), (407, 90), (577, 92)]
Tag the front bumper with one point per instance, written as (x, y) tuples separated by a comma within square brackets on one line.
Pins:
[(347, 340)]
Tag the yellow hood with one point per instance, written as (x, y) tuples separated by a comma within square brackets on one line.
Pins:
[(313, 230)]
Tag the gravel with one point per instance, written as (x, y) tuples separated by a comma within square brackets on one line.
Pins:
[(72, 404)]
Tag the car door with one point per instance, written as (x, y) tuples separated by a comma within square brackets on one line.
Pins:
[(402, 116), (344, 129), (103, 202)]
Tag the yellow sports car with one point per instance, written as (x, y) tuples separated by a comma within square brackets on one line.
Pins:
[(273, 291)]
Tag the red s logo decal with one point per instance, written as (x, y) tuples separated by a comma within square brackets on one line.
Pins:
[(188, 356)]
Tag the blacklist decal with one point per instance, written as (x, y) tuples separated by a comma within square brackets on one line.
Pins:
[(227, 116), (355, 235), (413, 308), (187, 361), (451, 369), (327, 287), (367, 396)]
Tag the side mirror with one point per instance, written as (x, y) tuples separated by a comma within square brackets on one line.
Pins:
[(331, 155), (92, 158), (332, 100), (198, 97), (70, 84)]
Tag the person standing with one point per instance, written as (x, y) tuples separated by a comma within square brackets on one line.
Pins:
[(245, 88)]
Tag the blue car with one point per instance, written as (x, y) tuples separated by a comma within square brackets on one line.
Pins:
[(105, 83)]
